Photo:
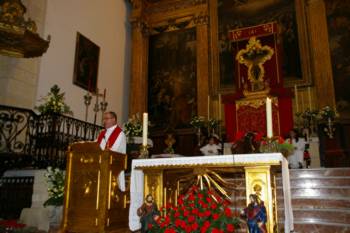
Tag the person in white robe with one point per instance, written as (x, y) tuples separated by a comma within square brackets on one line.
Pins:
[(296, 158), (212, 148)]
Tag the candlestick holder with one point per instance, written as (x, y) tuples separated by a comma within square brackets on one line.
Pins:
[(103, 108), (87, 102), (144, 154), (329, 129)]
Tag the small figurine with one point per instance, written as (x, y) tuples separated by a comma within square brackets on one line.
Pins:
[(307, 157), (148, 213), (169, 141), (255, 215)]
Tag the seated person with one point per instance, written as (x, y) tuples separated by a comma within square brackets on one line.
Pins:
[(212, 148)]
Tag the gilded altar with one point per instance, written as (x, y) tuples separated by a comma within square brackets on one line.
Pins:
[(93, 200), (165, 179)]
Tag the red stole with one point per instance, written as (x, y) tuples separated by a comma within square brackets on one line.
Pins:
[(112, 138)]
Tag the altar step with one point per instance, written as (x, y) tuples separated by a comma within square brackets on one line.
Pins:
[(320, 200)]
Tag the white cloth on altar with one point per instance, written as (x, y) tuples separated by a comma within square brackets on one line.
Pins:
[(137, 179)]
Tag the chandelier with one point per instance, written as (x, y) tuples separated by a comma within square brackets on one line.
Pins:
[(18, 37)]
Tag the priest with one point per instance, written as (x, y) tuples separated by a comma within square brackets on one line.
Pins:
[(113, 138)]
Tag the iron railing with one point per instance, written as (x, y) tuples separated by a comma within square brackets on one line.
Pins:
[(38, 141)]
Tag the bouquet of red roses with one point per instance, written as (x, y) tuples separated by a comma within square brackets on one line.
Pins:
[(199, 211)]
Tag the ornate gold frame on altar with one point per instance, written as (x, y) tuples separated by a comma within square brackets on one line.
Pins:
[(166, 182), (155, 16)]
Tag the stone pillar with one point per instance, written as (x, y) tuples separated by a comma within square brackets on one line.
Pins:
[(202, 64), (139, 61), (320, 54)]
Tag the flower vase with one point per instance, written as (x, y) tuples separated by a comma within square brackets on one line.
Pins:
[(199, 136), (56, 216)]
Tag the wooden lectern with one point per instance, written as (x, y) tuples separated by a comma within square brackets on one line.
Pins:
[(93, 201)]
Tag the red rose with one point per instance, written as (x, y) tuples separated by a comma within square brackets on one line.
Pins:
[(280, 140), (177, 214), (195, 211), (191, 197), (186, 213), (239, 135), (213, 206), (228, 212), (178, 222), (194, 226), (215, 216), (207, 213), (215, 230), (208, 199), (150, 225), (169, 230), (206, 224), (191, 218), (188, 229), (230, 228)]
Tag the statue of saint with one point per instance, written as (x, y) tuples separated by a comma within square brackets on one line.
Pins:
[(148, 213), (255, 215), (169, 141)]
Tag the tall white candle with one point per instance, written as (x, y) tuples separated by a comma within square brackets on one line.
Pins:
[(219, 106), (296, 97), (208, 108), (145, 129), (310, 101), (269, 118)]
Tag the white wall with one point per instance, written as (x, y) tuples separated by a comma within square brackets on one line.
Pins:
[(106, 24)]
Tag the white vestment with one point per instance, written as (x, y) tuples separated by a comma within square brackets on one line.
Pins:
[(118, 146)]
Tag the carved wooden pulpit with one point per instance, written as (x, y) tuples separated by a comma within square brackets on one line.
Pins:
[(93, 201)]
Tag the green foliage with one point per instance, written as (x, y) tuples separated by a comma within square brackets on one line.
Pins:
[(197, 121), (55, 180), (133, 127), (53, 102)]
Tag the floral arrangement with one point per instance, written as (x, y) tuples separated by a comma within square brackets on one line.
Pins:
[(327, 113), (263, 144), (199, 211), (55, 179), (213, 123), (197, 121), (11, 226), (309, 114), (54, 103), (133, 127)]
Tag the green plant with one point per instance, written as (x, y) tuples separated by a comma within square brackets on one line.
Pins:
[(55, 179), (53, 102), (327, 113), (199, 211), (197, 121), (133, 127)]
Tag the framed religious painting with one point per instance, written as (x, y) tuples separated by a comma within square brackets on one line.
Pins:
[(290, 17), (172, 82), (86, 63)]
